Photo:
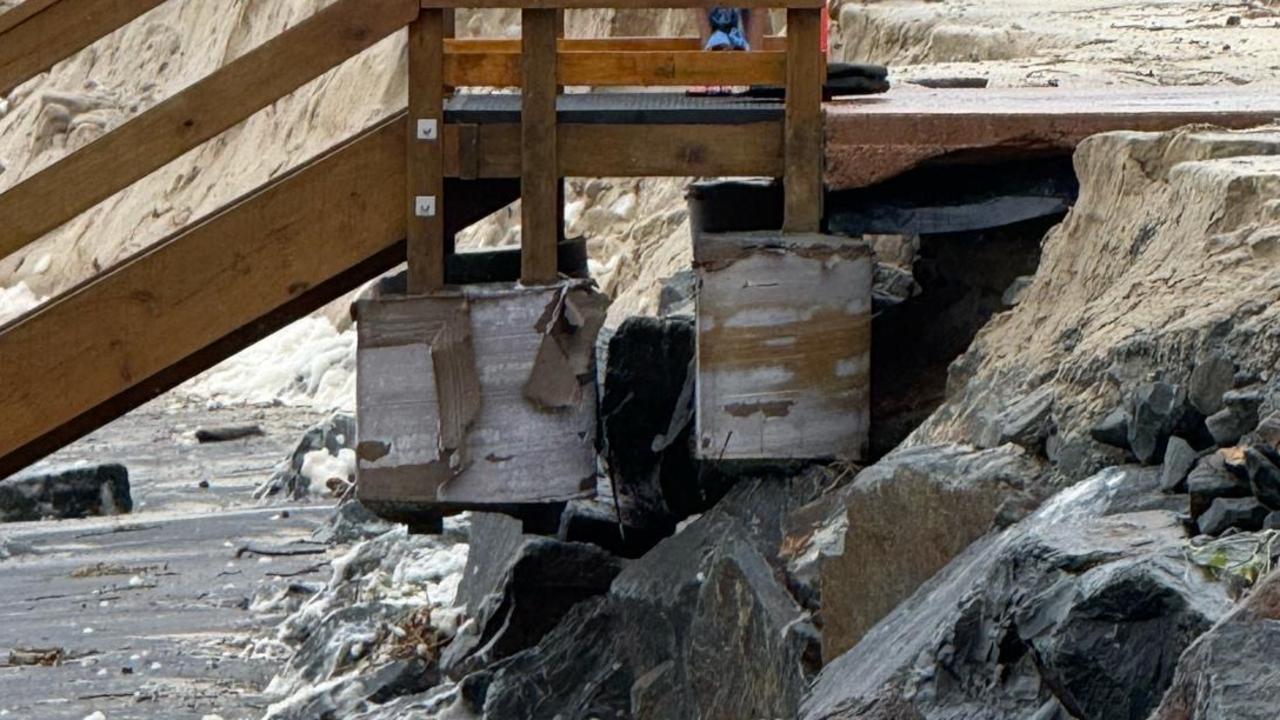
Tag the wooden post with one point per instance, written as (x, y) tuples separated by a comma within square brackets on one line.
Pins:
[(802, 170), (539, 174), (426, 249), (561, 189)]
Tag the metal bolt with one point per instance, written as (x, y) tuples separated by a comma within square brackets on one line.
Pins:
[(424, 206)]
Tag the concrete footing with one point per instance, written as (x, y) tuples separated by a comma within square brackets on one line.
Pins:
[(477, 397), (784, 346)]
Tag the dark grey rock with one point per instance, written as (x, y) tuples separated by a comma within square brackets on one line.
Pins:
[(1244, 403), (1153, 413), (517, 587), (74, 492), (1243, 513), (646, 412), (337, 432), (351, 522), (678, 294), (904, 518), (1072, 613), (1113, 430), (1209, 480), (1227, 428), (1029, 421), (1239, 416), (1264, 477), (1229, 673), (1272, 521), (698, 628), (227, 433), (1245, 378), (1179, 458), (1268, 431), (1213, 376)]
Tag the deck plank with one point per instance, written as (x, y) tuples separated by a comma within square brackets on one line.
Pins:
[(872, 139)]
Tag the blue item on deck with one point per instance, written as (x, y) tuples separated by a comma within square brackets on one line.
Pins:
[(726, 30), (719, 40)]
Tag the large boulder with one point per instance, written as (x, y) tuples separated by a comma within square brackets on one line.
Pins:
[(646, 413), (1079, 611), (73, 492), (1232, 672), (516, 587), (902, 520), (700, 627)]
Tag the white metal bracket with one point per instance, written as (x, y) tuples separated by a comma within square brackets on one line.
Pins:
[(428, 129), (424, 206)]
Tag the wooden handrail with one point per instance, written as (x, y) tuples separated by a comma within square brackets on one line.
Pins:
[(39, 33), (21, 13), (454, 46), (669, 68), (147, 142), (120, 328), (619, 4)]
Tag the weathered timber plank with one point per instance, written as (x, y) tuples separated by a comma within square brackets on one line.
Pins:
[(493, 151), (872, 140), (784, 341), (618, 4), (22, 13), (649, 68), (425, 156), (609, 44), (113, 162), (692, 67), (539, 177), (806, 72), (671, 150), (48, 32), (124, 327)]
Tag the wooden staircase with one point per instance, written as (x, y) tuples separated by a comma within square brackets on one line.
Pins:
[(284, 249)]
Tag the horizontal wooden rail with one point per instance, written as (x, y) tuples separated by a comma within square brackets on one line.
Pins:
[(146, 143), (619, 68), (620, 4), (42, 32), (651, 44), (585, 150)]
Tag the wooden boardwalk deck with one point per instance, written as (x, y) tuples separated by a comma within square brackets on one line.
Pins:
[(871, 139)]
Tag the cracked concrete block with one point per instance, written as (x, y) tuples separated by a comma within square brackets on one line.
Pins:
[(477, 397), (784, 346)]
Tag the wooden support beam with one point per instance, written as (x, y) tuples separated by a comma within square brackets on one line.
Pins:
[(37, 37), (493, 151), (671, 150), (121, 328), (617, 4), (425, 196), (539, 176), (657, 68), (806, 72), (111, 163)]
